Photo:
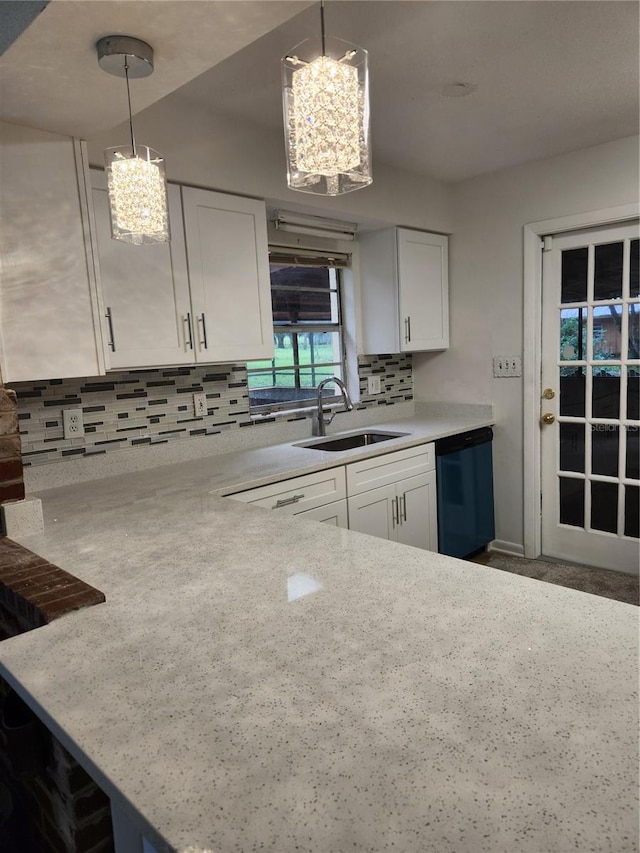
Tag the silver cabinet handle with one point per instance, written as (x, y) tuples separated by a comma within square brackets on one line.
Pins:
[(287, 501), (406, 330), (187, 321), (409, 329), (394, 512), (112, 343), (203, 342), (403, 506)]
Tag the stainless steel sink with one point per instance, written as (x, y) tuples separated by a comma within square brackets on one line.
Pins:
[(349, 442)]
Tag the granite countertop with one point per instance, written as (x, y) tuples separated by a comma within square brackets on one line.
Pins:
[(255, 682)]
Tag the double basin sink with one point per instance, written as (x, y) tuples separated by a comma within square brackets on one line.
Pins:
[(351, 441)]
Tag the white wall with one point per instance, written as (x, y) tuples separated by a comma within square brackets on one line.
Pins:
[(486, 279), (214, 151)]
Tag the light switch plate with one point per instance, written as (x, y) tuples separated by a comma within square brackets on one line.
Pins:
[(507, 366), (373, 385)]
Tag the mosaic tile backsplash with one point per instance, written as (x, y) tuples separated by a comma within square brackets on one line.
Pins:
[(148, 407)]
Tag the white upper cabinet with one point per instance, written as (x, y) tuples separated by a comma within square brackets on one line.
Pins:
[(404, 291), (203, 298), (228, 257), (146, 311), (48, 307)]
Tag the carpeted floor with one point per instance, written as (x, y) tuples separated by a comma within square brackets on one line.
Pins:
[(617, 585)]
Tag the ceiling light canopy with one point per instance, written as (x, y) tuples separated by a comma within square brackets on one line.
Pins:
[(326, 116), (136, 178)]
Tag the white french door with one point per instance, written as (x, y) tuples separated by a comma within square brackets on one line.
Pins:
[(589, 415)]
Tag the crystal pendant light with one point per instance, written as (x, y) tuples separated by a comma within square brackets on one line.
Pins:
[(326, 116), (136, 181)]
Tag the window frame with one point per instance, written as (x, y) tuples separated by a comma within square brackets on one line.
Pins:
[(333, 261)]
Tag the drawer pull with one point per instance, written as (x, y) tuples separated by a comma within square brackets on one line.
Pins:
[(287, 501)]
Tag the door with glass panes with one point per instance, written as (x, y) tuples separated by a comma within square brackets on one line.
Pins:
[(589, 415)]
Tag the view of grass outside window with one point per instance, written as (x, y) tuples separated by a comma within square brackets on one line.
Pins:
[(307, 336)]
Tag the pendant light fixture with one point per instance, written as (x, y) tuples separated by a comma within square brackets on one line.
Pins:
[(326, 115), (136, 179)]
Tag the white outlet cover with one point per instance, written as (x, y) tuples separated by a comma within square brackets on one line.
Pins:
[(373, 385), (73, 423)]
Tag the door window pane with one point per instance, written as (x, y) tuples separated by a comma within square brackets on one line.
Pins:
[(608, 271), (572, 447), (604, 449), (632, 467), (632, 511), (633, 393), (574, 275), (572, 385), (573, 334), (634, 330), (571, 502), (607, 332), (604, 506), (634, 279), (606, 393)]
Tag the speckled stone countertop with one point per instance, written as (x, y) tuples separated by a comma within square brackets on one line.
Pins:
[(256, 682)]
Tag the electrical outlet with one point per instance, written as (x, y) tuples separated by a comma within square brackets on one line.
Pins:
[(507, 366), (373, 385), (200, 405), (72, 423)]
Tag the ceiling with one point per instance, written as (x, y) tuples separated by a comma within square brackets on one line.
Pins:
[(549, 76)]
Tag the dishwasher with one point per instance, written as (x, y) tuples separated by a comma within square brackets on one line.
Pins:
[(464, 466)]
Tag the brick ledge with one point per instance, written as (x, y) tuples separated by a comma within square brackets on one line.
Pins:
[(34, 592)]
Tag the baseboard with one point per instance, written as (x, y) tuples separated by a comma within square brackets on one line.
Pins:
[(499, 546)]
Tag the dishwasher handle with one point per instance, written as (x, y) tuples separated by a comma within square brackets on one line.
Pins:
[(456, 443)]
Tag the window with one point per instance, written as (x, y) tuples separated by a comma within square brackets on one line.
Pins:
[(307, 332)]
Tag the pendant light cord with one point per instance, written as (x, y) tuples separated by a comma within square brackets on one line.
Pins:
[(126, 74), (322, 26)]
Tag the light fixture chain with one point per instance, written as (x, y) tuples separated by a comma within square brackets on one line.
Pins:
[(324, 52), (126, 74)]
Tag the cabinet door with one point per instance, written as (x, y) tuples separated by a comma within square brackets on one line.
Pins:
[(423, 290), (228, 256), (374, 512), (47, 297), (144, 290), (388, 468), (417, 510), (334, 513)]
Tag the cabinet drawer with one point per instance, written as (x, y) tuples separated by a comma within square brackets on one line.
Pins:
[(299, 494), (334, 513), (389, 468)]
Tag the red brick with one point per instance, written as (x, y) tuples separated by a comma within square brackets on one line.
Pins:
[(9, 422), (8, 401), (11, 469), (10, 447), (12, 491), (14, 556)]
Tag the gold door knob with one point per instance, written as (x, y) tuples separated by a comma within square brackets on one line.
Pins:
[(548, 418), (548, 393)]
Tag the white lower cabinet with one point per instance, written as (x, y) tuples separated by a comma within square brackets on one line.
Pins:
[(334, 513), (392, 496), (403, 512), (320, 496), (383, 501)]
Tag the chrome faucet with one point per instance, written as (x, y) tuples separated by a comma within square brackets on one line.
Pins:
[(319, 423)]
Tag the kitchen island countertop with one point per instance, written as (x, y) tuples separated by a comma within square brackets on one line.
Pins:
[(255, 682)]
